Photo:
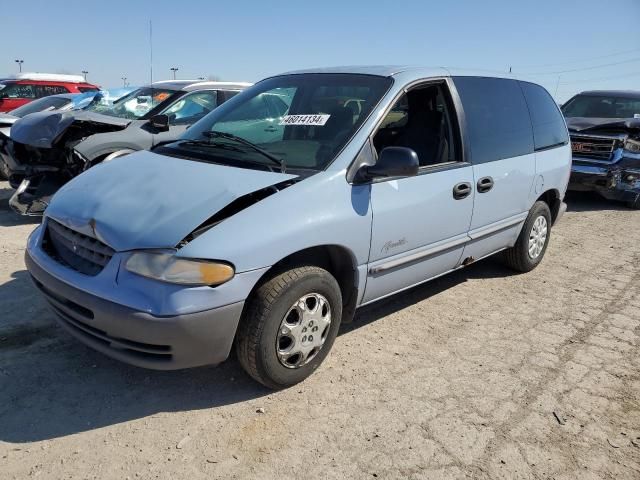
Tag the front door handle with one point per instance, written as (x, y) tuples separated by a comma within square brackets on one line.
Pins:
[(485, 184), (461, 190), (271, 129)]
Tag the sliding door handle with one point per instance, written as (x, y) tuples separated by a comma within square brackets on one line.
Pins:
[(461, 190), (485, 184)]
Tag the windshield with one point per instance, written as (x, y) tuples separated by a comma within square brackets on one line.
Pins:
[(133, 106), (295, 121), (41, 105), (602, 107)]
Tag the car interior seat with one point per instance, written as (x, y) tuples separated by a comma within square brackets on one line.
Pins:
[(423, 132)]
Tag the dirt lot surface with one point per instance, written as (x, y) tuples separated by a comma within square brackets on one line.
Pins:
[(481, 374)]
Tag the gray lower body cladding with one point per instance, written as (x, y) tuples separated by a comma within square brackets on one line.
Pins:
[(136, 337)]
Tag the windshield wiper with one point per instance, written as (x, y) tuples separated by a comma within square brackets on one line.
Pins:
[(235, 138), (208, 143)]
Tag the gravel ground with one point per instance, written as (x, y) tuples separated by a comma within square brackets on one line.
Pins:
[(481, 374)]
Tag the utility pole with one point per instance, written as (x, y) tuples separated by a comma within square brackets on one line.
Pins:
[(174, 70), (20, 62), (85, 73), (124, 81), (555, 94)]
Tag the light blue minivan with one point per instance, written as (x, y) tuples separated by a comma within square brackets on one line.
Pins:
[(301, 199)]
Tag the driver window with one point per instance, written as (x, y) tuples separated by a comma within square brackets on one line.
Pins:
[(191, 108), (420, 120)]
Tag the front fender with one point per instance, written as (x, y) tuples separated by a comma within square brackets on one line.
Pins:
[(102, 144), (321, 210)]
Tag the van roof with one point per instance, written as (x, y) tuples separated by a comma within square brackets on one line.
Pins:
[(418, 71)]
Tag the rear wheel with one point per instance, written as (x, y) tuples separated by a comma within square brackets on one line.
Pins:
[(289, 326), (532, 242)]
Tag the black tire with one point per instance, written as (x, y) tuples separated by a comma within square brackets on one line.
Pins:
[(634, 204), (259, 327), (517, 257)]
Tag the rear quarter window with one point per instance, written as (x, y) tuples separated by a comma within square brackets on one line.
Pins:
[(549, 129), (496, 116)]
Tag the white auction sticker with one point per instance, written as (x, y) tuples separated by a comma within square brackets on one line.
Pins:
[(319, 120)]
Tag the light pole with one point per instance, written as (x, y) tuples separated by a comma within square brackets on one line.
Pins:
[(85, 73), (124, 81), (174, 70), (20, 62)]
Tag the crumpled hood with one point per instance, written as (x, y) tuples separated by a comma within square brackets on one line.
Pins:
[(42, 129), (145, 200), (580, 124)]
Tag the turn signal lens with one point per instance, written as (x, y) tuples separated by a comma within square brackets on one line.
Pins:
[(169, 268)]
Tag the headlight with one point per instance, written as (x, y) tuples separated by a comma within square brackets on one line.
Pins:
[(169, 268), (632, 146)]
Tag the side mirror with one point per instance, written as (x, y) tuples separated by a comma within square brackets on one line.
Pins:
[(160, 122), (393, 162)]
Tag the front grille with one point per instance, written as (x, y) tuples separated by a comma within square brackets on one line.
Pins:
[(80, 252), (593, 147)]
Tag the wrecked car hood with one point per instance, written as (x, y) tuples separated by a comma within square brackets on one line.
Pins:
[(145, 200), (581, 124), (43, 129)]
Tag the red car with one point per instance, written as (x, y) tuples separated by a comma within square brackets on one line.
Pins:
[(25, 87)]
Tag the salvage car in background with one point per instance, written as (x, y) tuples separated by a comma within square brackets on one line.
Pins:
[(380, 178), (62, 102), (605, 139), (26, 87), (48, 149)]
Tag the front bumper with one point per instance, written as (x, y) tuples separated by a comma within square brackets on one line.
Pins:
[(135, 336), (33, 195), (612, 181)]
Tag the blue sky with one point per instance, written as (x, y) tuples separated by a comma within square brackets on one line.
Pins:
[(249, 40)]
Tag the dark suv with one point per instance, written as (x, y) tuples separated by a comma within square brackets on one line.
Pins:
[(605, 139)]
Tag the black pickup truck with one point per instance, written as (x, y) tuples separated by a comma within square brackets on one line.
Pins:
[(604, 127)]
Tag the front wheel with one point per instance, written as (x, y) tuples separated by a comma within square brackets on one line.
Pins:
[(532, 242), (289, 325)]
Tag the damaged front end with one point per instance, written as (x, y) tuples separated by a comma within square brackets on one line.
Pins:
[(40, 156), (606, 158)]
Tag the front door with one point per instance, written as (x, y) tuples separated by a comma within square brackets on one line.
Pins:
[(420, 223)]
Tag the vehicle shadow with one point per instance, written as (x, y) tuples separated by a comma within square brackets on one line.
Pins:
[(8, 218), (488, 268), (591, 201), (53, 386)]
